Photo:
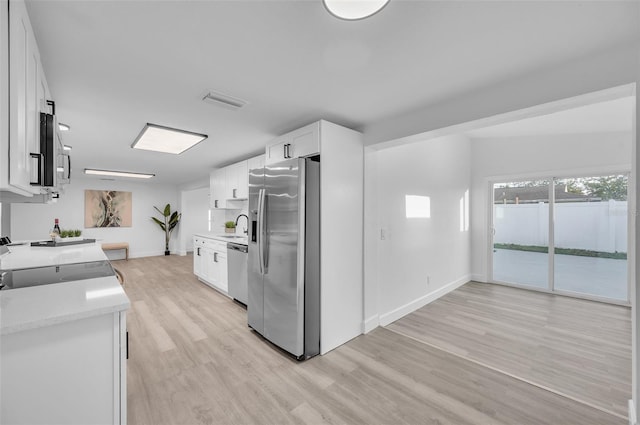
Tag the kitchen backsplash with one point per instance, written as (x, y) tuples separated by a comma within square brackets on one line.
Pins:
[(219, 217)]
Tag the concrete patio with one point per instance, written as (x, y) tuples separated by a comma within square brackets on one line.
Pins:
[(602, 277)]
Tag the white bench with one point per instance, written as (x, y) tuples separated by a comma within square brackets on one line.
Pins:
[(117, 246)]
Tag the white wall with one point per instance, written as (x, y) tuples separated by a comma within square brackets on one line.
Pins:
[(34, 221), (559, 155), (420, 258), (194, 206)]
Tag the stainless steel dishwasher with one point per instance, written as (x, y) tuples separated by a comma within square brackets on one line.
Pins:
[(237, 269)]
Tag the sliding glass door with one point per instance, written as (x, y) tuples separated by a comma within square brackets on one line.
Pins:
[(565, 235), (590, 236), (521, 233)]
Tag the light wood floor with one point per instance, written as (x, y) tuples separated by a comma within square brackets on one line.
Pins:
[(194, 361), (576, 347)]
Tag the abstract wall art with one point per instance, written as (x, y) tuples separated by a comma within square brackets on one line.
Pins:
[(107, 208)]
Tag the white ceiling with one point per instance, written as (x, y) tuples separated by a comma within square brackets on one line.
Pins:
[(113, 66)]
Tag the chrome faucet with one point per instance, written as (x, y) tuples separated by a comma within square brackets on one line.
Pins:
[(246, 231)]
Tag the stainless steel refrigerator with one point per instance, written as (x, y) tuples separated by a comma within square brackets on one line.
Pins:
[(284, 255)]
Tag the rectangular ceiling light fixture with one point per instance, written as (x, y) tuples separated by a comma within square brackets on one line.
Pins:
[(113, 173), (224, 100), (165, 139)]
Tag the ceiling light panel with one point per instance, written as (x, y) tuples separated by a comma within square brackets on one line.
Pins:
[(113, 173), (165, 139)]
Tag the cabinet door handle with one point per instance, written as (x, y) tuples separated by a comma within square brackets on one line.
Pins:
[(69, 169), (287, 150), (127, 345), (234, 193), (215, 257), (215, 203), (40, 158), (198, 251)]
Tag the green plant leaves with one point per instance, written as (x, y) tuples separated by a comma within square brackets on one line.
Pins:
[(170, 222), (161, 224)]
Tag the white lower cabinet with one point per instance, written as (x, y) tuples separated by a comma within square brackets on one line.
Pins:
[(198, 256), (67, 373), (210, 262)]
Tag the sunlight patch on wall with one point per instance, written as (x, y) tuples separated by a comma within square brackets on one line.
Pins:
[(418, 206)]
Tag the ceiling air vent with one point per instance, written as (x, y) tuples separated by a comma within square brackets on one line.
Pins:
[(224, 100)]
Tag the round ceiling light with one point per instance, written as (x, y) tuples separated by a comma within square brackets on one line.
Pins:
[(352, 10)]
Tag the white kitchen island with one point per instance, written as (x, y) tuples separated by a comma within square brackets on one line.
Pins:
[(63, 346)]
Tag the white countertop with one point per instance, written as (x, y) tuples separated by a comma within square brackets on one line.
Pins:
[(25, 256), (45, 305), (225, 237)]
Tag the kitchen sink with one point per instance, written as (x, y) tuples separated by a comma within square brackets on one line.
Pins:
[(234, 237)]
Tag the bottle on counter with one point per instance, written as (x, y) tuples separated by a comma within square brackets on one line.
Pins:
[(56, 227)]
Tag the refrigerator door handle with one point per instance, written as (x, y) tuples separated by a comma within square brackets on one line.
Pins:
[(263, 232), (259, 230)]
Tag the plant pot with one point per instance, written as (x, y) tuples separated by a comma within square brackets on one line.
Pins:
[(229, 229), (167, 253), (70, 239)]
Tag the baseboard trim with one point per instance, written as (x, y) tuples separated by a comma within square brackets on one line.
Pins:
[(146, 254), (370, 324), (120, 255), (392, 316), (478, 278), (632, 413)]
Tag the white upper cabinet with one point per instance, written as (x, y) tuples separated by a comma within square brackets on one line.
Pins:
[(4, 92), (23, 79), (25, 107), (237, 177), (218, 188), (229, 184), (299, 143)]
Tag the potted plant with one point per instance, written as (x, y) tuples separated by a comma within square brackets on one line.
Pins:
[(69, 235), (230, 227), (171, 220)]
